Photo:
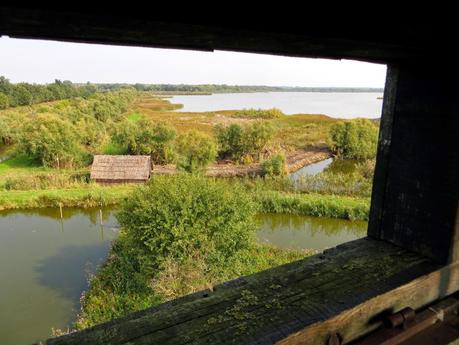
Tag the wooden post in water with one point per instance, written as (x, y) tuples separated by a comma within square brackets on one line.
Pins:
[(60, 209), (100, 215)]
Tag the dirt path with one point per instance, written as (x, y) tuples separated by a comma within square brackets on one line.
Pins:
[(295, 161)]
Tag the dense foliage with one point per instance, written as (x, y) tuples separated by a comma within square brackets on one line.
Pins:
[(196, 150), (236, 141), (177, 216), (142, 137), (275, 166), (356, 139), (12, 95), (180, 234), (51, 141), (65, 133)]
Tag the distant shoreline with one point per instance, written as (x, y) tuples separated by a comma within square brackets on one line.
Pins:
[(166, 94)]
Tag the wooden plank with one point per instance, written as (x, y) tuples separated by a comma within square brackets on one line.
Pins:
[(383, 154), (416, 186), (342, 290), (341, 38)]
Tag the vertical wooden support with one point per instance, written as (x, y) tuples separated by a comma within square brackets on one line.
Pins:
[(416, 183)]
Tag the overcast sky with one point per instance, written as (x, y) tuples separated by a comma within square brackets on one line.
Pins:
[(37, 61)]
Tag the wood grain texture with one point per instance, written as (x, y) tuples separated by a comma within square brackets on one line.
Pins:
[(416, 185), (342, 290)]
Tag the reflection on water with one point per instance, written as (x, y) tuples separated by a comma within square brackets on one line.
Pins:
[(44, 264), (45, 260), (304, 232), (311, 169), (330, 165)]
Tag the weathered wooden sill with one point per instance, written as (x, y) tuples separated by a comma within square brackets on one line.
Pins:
[(345, 290)]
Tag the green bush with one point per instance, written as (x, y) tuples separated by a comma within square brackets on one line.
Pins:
[(356, 139), (196, 150), (143, 138), (4, 101), (236, 141), (51, 141), (275, 166), (177, 216), (230, 141), (259, 113), (10, 126)]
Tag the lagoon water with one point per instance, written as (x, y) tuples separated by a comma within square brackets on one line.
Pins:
[(45, 261), (44, 266), (335, 104)]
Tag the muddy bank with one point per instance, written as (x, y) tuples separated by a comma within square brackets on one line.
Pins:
[(295, 161)]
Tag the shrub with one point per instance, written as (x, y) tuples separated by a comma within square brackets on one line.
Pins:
[(355, 139), (51, 141), (142, 138), (196, 151), (4, 101), (174, 217), (259, 113), (9, 128), (230, 141), (275, 166), (236, 141)]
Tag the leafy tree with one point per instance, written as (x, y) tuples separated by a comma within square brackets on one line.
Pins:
[(92, 133), (143, 138), (21, 95), (236, 141), (196, 151), (230, 141), (355, 139), (257, 136), (177, 216), (26, 94), (51, 141), (4, 101), (9, 129)]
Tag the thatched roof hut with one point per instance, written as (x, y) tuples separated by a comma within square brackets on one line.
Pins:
[(120, 169)]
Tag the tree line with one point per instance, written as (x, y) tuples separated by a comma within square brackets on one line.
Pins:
[(13, 95)]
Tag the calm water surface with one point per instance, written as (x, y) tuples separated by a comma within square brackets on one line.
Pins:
[(336, 104), (43, 269), (44, 262), (334, 166), (304, 232)]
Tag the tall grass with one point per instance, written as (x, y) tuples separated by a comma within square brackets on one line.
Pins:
[(317, 205), (90, 196)]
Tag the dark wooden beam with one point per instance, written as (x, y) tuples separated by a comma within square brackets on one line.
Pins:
[(346, 290), (416, 185), (285, 31)]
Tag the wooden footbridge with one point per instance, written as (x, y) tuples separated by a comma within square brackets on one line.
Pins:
[(407, 266)]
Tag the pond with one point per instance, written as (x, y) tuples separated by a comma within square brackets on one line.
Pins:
[(45, 261), (304, 232), (334, 166), (336, 104)]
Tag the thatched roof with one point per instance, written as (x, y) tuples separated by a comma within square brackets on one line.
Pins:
[(105, 167)]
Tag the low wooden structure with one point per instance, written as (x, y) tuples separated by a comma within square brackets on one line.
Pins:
[(411, 255), (120, 169)]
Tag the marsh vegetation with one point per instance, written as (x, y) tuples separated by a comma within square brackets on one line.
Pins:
[(180, 232)]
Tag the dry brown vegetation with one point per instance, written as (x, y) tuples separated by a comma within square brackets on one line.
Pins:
[(303, 138)]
